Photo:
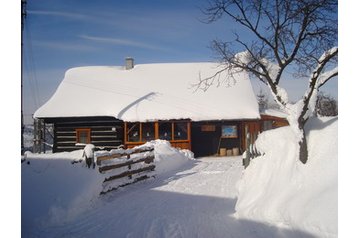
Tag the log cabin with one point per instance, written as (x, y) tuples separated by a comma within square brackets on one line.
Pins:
[(112, 106)]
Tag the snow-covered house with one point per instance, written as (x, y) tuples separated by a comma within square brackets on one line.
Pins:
[(110, 106)]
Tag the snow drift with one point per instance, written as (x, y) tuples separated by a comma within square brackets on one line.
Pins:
[(54, 190), (277, 188)]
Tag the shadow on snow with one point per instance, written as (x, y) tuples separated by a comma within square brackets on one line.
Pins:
[(145, 210)]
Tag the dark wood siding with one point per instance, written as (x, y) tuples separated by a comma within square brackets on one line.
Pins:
[(106, 132), (206, 137)]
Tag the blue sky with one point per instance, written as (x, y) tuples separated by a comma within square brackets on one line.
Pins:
[(61, 34)]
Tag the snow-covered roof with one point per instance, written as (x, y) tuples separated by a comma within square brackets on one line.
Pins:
[(150, 92), (274, 112)]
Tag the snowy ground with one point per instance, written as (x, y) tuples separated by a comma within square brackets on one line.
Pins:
[(205, 197), (197, 201)]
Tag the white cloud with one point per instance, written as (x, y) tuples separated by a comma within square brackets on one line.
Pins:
[(64, 46), (123, 42), (61, 14)]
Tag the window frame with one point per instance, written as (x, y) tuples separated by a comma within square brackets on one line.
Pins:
[(140, 124), (88, 135), (171, 129), (175, 125), (128, 130), (156, 127), (152, 124)]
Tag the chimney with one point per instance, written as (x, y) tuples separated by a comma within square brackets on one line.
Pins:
[(129, 63)]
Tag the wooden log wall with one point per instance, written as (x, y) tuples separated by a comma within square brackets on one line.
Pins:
[(104, 132)]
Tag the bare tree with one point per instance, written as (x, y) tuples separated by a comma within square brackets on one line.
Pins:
[(300, 34)]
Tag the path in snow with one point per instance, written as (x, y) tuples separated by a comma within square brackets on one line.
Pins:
[(198, 200)]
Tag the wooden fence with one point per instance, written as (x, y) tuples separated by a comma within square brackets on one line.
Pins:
[(250, 153), (124, 167)]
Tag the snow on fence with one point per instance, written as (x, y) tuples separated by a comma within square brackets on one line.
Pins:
[(124, 167), (251, 153)]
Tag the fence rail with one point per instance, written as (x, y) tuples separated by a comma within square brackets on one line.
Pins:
[(125, 167), (127, 152)]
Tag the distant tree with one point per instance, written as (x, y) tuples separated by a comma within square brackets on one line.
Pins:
[(326, 105), (296, 34), (262, 100)]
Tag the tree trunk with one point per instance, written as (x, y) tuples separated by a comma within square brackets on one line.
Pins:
[(303, 151)]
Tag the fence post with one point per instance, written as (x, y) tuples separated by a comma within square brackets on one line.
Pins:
[(37, 136), (129, 166)]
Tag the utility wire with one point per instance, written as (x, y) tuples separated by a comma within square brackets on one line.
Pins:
[(31, 67), (29, 82)]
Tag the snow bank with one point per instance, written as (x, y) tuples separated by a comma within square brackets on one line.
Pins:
[(278, 189), (168, 158), (54, 190)]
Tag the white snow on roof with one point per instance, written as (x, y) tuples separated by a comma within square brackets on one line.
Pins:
[(275, 113), (150, 92)]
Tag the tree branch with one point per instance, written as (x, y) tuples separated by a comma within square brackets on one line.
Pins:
[(315, 83), (205, 83), (325, 77)]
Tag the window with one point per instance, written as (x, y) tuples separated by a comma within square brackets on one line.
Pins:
[(140, 132), (83, 136), (267, 125), (229, 131), (148, 131), (165, 131), (133, 132), (180, 131)]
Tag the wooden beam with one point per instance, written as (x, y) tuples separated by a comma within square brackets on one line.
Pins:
[(189, 133), (147, 160), (156, 130), (118, 155), (126, 184), (128, 173)]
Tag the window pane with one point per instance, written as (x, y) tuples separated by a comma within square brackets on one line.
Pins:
[(165, 131), (83, 136), (133, 132), (147, 131), (180, 131), (267, 125)]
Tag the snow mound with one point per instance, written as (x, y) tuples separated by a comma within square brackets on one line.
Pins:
[(277, 188), (168, 158), (56, 188)]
